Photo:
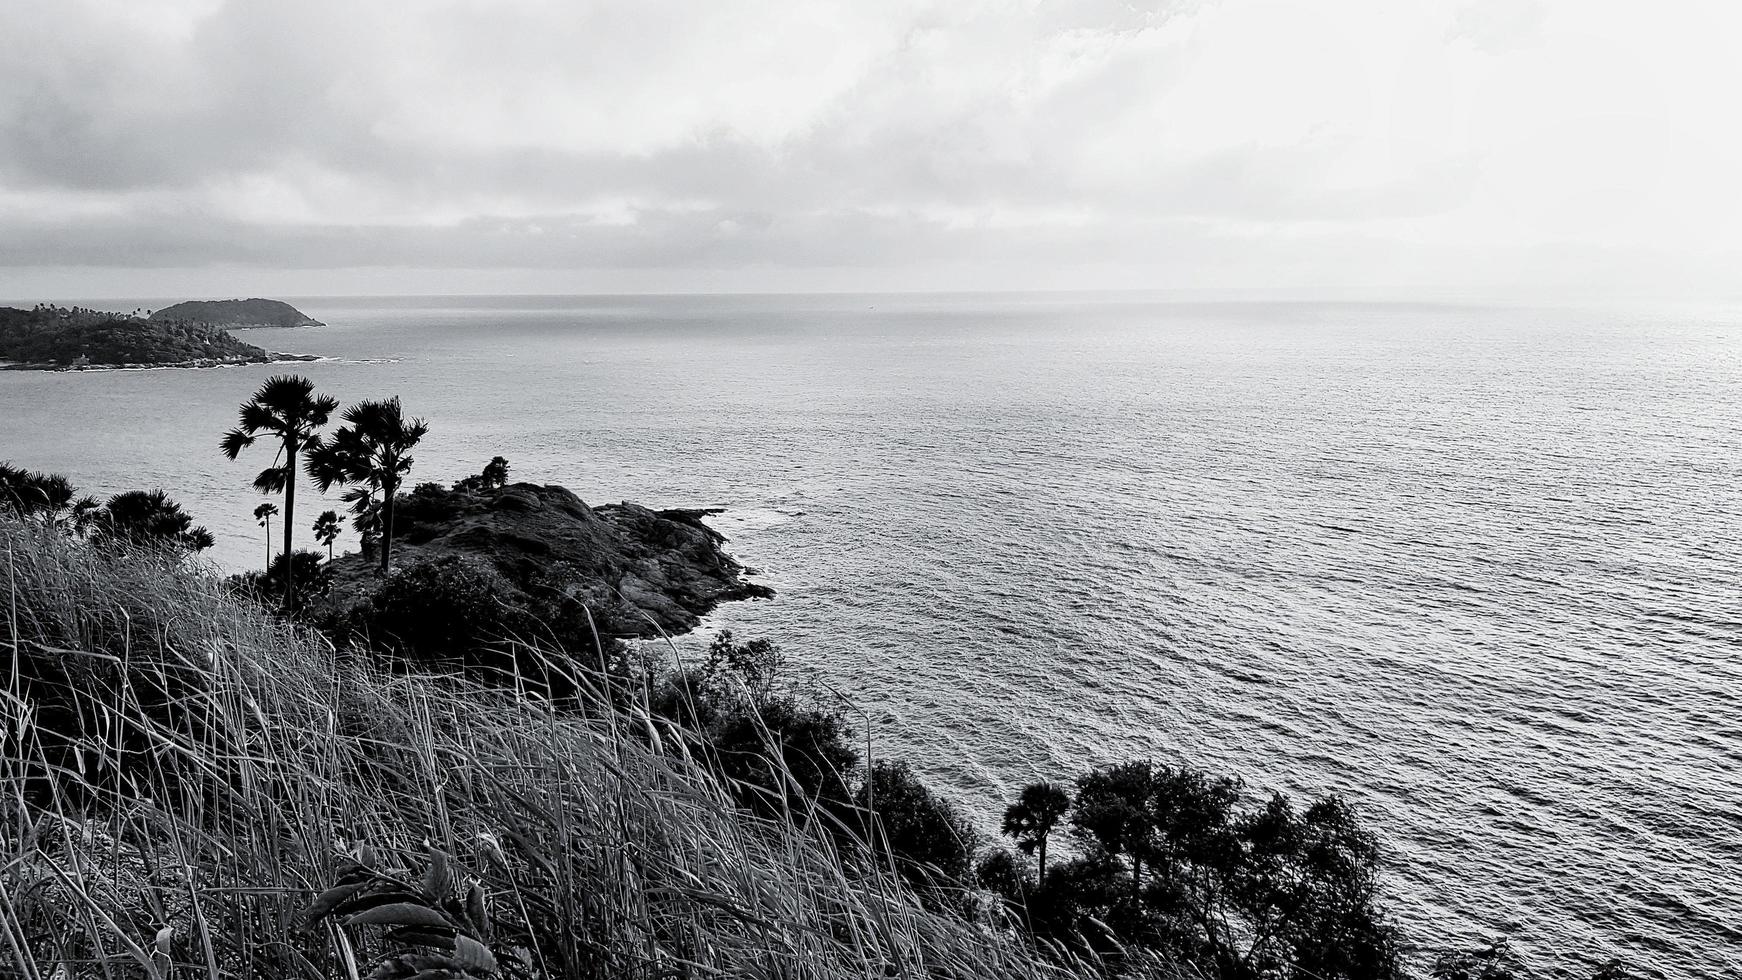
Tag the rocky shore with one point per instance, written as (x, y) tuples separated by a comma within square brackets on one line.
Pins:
[(639, 572)]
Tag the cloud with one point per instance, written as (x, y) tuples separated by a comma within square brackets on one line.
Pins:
[(1383, 142)]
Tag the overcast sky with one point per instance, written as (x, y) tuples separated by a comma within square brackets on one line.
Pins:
[(1385, 147)]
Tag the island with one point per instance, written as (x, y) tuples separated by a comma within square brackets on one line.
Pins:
[(58, 338), (237, 313)]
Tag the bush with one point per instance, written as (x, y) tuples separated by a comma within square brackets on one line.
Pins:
[(427, 503), (785, 758), (1180, 861), (147, 518), (449, 609), (312, 579), (932, 841)]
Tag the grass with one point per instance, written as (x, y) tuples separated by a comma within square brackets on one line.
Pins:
[(183, 776)]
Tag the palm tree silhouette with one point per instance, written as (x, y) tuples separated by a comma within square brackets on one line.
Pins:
[(370, 452), (287, 409), (1031, 819), (327, 530), (263, 516), (146, 517)]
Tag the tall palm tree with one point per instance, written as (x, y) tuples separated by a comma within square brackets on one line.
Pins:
[(263, 516), (286, 409), (370, 452)]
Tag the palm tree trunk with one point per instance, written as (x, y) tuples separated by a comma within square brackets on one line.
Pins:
[(289, 514), (387, 494), (267, 524), (1042, 880)]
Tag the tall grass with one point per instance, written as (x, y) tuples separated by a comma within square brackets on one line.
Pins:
[(183, 775)]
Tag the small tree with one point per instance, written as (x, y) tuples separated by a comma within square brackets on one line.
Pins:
[(495, 473), (327, 530), (1113, 813), (494, 477), (931, 840), (263, 516), (1031, 819)]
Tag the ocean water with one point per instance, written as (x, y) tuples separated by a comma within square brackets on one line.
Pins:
[(1476, 568)]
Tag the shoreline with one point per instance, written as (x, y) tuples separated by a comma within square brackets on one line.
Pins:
[(199, 363)]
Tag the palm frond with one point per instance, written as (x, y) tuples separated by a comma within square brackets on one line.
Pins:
[(272, 479), (234, 442), (256, 417)]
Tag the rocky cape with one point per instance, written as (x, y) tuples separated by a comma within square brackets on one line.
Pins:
[(639, 572), (237, 313), (54, 338)]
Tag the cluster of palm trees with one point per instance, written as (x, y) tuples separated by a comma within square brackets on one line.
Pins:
[(134, 517), (370, 454)]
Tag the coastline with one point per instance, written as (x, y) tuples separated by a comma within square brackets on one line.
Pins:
[(198, 363)]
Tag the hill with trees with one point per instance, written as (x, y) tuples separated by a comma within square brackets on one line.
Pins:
[(52, 337), (237, 313)]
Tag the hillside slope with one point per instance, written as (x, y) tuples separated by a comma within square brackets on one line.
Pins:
[(187, 775)]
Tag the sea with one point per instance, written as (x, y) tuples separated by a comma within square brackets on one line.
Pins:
[(1475, 568)]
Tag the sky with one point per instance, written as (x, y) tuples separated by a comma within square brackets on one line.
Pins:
[(1368, 148)]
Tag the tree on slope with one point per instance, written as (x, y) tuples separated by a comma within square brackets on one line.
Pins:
[(327, 530), (263, 516), (1031, 819), (287, 410), (371, 453)]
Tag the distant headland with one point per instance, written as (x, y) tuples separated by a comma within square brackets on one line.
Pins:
[(55, 338), (237, 313)]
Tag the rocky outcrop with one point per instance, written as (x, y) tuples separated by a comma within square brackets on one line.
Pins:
[(639, 572), (237, 313)]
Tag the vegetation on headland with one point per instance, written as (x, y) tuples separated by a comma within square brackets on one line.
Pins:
[(52, 337), (446, 783), (238, 313)]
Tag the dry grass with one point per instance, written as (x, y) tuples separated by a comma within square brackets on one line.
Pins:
[(183, 775)]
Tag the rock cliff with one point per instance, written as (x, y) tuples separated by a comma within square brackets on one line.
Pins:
[(638, 571)]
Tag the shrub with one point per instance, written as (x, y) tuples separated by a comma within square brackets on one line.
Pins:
[(1177, 860), (448, 609), (785, 758), (427, 503), (148, 518), (930, 838), (311, 576)]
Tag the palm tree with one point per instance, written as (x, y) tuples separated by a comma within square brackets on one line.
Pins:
[(263, 516), (1033, 816), (370, 453), (287, 409), (142, 517), (327, 530)]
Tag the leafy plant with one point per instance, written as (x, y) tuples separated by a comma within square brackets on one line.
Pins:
[(436, 927)]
